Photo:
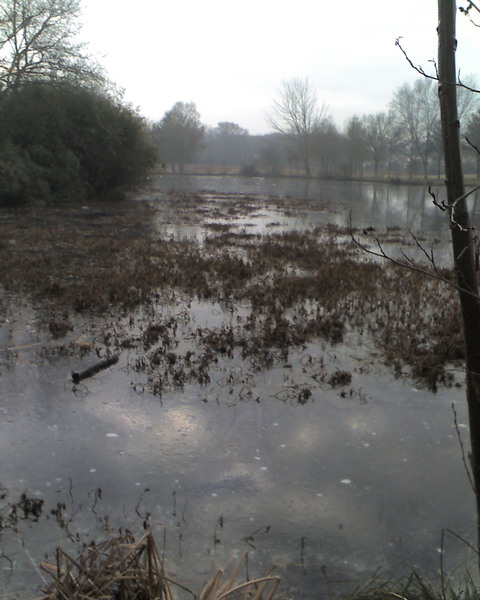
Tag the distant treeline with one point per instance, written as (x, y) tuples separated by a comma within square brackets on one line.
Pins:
[(402, 142)]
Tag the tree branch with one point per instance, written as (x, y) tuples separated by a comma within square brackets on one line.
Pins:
[(435, 77), (466, 12), (411, 266)]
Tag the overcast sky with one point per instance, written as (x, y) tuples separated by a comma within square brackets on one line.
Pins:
[(230, 57)]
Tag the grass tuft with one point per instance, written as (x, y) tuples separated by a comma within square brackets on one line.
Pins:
[(123, 568)]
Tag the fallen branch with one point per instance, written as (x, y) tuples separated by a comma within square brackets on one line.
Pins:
[(94, 369)]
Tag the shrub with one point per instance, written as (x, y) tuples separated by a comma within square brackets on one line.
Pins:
[(61, 140)]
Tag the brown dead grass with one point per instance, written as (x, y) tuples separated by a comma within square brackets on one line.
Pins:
[(123, 568), (298, 286)]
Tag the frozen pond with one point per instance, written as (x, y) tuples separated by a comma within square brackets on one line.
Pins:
[(361, 476)]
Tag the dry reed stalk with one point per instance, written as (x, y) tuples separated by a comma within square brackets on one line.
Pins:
[(119, 568), (252, 589), (124, 569)]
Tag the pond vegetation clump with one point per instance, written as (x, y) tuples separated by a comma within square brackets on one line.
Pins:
[(277, 291), (133, 569)]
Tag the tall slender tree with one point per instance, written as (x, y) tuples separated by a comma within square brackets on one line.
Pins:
[(463, 243)]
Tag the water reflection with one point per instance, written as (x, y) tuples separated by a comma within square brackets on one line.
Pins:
[(363, 482), (371, 204)]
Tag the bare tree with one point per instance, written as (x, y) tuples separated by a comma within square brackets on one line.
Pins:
[(328, 146), (37, 43), (295, 113), (416, 111), (356, 148), (379, 133)]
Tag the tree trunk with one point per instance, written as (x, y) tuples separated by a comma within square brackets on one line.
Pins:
[(306, 166), (463, 250), (306, 156)]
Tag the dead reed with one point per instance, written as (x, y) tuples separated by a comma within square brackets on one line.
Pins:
[(297, 286), (123, 568)]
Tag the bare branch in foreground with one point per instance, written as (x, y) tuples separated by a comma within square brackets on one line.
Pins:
[(443, 207), (464, 458), (416, 68), (381, 253), (435, 77), (466, 12), (470, 143)]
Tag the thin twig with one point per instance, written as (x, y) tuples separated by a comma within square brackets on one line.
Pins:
[(470, 143), (462, 539), (429, 255), (443, 206), (435, 77), (466, 12), (464, 458), (418, 69), (382, 254)]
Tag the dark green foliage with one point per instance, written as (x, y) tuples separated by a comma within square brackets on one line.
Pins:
[(65, 141)]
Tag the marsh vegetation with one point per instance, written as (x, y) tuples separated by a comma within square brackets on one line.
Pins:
[(205, 308), (281, 289)]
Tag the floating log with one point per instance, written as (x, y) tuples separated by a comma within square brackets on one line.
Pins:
[(94, 369)]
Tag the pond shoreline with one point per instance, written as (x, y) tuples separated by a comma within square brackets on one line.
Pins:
[(393, 180)]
